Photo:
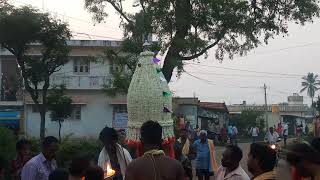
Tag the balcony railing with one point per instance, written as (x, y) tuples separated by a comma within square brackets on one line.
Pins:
[(82, 82)]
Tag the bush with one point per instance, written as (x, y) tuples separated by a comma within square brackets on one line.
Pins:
[(7, 144), (68, 149), (35, 146), (7, 149), (71, 148)]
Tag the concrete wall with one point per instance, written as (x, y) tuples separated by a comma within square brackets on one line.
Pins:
[(95, 115)]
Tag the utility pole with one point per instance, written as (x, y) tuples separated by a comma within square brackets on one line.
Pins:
[(266, 105), (43, 5)]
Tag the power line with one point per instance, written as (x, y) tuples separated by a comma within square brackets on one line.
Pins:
[(242, 75), (245, 70), (212, 83)]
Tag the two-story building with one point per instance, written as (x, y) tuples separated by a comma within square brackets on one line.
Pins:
[(85, 76)]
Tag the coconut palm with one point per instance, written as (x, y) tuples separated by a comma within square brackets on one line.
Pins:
[(311, 84)]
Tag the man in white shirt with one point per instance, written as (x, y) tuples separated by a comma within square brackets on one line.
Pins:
[(231, 169), (254, 133), (272, 136), (40, 166)]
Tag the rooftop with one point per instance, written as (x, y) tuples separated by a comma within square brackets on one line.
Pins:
[(213, 106), (78, 43)]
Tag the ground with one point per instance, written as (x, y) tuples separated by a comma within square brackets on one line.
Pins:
[(282, 166)]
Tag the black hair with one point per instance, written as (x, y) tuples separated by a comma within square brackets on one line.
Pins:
[(21, 143), (108, 135), (236, 152), (59, 174), (49, 140), (316, 144), (303, 151), (78, 165), (151, 133), (265, 155), (94, 173)]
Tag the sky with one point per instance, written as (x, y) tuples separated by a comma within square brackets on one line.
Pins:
[(280, 64)]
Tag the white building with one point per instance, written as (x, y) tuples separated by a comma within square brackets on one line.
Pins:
[(85, 80)]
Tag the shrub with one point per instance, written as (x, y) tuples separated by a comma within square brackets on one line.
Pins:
[(68, 149), (7, 149), (7, 144), (35, 146)]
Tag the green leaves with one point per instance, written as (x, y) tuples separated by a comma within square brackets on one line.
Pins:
[(59, 104), (310, 83), (187, 29), (247, 119), (19, 28), (120, 84)]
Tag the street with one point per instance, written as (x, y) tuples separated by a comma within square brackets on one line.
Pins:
[(282, 168)]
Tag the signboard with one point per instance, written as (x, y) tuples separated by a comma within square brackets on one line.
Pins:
[(120, 121), (10, 119)]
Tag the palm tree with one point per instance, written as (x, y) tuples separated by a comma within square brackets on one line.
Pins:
[(311, 84)]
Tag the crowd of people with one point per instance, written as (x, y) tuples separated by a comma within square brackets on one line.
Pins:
[(155, 165)]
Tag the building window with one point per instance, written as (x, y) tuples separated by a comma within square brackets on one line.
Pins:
[(120, 108), (81, 65), (76, 113)]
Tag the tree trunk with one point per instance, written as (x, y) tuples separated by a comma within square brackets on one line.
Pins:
[(60, 125), (169, 65), (313, 108), (173, 59), (43, 111), (42, 122)]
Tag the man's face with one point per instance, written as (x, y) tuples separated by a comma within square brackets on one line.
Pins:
[(252, 164), (25, 150), (271, 130), (51, 150), (227, 160)]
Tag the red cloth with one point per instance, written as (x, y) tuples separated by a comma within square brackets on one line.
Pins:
[(167, 145)]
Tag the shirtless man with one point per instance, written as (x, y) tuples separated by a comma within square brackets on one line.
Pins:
[(153, 164)]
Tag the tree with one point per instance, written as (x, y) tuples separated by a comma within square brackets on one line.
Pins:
[(311, 84), (187, 29), (60, 105), (248, 119), (22, 27)]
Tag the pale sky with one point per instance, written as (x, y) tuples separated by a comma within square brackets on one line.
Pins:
[(283, 61)]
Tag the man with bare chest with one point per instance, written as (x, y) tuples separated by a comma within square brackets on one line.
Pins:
[(154, 164)]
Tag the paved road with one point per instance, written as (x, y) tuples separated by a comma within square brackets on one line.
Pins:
[(282, 168)]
